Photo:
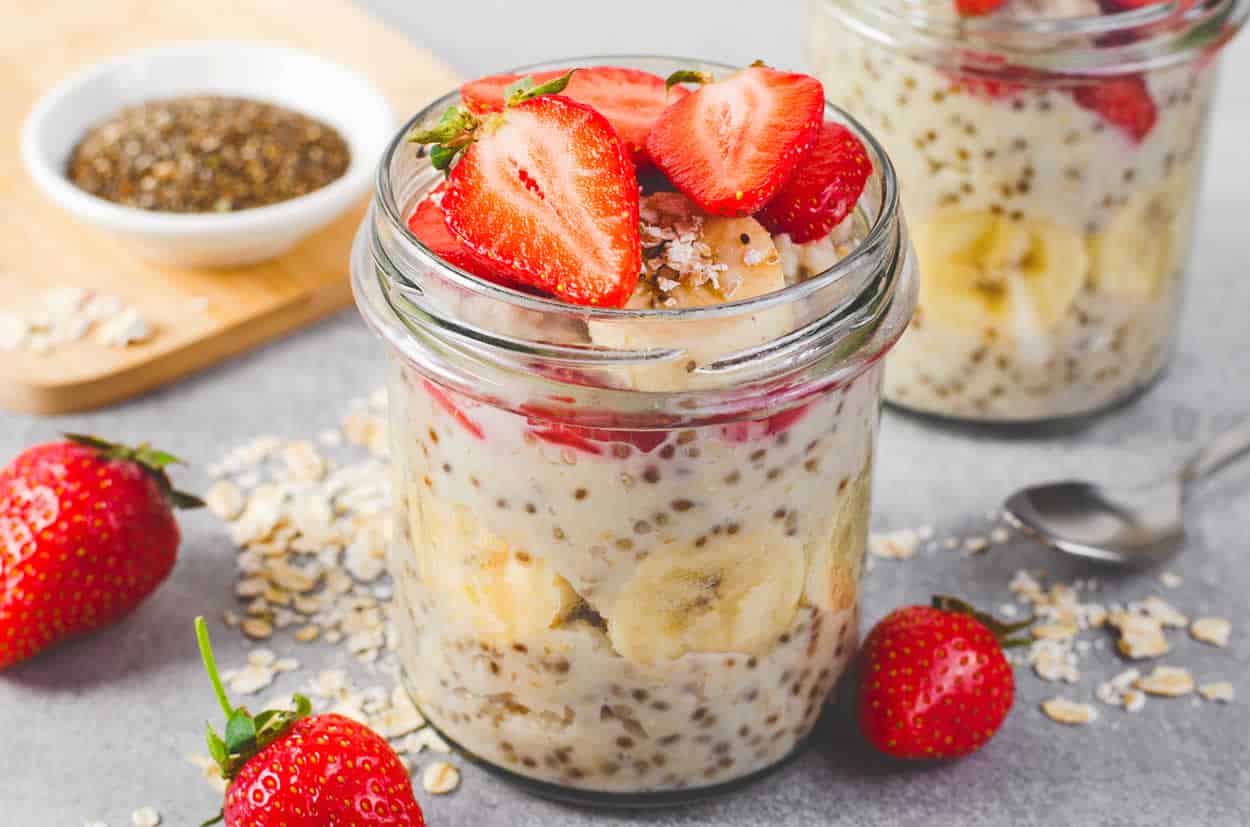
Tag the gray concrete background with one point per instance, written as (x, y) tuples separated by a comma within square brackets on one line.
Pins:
[(100, 727)]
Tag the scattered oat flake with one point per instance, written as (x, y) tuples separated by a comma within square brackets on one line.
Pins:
[(1060, 630), (145, 817), (1170, 681), (1064, 711), (224, 500), (440, 778), (1140, 636), (1220, 691), (1053, 662), (1164, 612), (1171, 579), (257, 628), (894, 545), (976, 545), (1000, 535), (1212, 630)]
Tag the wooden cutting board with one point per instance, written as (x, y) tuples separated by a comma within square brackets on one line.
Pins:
[(199, 317)]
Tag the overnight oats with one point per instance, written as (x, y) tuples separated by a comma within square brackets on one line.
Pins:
[(634, 398), (1049, 153)]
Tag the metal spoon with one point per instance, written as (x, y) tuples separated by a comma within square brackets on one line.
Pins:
[(1123, 525)]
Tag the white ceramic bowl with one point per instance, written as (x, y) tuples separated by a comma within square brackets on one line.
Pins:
[(317, 87)]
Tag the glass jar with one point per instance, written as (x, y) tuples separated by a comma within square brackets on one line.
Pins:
[(628, 573), (1048, 156)]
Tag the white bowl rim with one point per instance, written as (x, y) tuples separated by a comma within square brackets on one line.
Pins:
[(356, 179)]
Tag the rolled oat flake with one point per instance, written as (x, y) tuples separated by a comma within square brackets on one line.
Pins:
[(207, 153)]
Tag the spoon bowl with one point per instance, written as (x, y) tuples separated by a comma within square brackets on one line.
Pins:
[(1122, 525), (1129, 526)]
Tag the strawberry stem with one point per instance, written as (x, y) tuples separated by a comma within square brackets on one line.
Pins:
[(687, 76), (210, 666), (1002, 631), (524, 89)]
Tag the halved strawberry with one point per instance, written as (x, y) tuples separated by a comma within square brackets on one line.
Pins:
[(630, 99), (823, 190), (545, 192), (489, 94), (1124, 102), (429, 225), (731, 145)]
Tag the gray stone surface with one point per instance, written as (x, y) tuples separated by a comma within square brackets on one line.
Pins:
[(100, 727)]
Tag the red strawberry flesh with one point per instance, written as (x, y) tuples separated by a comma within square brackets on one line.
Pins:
[(1124, 102), (429, 224), (976, 8), (732, 144), (823, 189), (548, 196)]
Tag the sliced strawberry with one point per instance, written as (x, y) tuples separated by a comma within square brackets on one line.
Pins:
[(429, 225), (630, 99), (443, 399), (976, 8), (1124, 102), (731, 145), (547, 194), (823, 190), (487, 94)]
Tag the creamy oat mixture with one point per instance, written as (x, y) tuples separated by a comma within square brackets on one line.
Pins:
[(1052, 245), (630, 610)]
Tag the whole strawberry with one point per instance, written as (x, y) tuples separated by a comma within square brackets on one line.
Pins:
[(87, 532), (934, 682), (287, 769)]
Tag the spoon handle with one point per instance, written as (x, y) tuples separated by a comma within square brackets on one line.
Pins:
[(1217, 453)]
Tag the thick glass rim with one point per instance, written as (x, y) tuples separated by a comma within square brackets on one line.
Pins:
[(1163, 33), (875, 243)]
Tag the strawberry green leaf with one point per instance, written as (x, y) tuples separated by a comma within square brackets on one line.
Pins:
[(524, 89), (240, 732), (687, 76), (217, 819), (441, 157), (456, 121), (1002, 631), (217, 747)]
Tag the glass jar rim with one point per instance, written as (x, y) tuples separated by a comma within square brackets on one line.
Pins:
[(846, 317), (1161, 34), (873, 242)]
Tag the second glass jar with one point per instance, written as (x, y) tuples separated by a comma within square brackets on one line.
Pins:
[(1048, 157)]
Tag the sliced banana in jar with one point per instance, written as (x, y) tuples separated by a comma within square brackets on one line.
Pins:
[(734, 593), (504, 594), (835, 556), (1144, 245), (981, 271), (739, 262)]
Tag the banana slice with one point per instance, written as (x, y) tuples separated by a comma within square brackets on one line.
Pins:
[(505, 594), (835, 556), (736, 593), (1145, 244), (747, 266), (981, 270)]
